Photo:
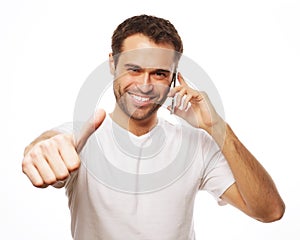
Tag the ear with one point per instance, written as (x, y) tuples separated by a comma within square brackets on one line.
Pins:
[(111, 64)]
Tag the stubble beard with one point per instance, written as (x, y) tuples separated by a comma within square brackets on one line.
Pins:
[(137, 113)]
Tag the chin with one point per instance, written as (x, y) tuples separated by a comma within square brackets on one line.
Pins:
[(140, 114)]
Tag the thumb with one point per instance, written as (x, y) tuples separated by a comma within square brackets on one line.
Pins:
[(89, 128)]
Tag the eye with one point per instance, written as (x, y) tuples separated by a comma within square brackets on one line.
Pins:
[(134, 70), (160, 75)]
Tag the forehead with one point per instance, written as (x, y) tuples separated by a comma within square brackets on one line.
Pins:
[(138, 41), (140, 50)]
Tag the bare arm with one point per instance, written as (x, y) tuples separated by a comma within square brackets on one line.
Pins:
[(254, 191)]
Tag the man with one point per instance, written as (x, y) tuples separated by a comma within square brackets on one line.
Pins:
[(119, 189)]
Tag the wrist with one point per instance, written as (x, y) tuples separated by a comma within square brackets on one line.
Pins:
[(218, 132)]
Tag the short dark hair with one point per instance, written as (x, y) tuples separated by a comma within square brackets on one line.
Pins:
[(157, 29)]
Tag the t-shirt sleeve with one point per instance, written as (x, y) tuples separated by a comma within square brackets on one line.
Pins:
[(216, 175)]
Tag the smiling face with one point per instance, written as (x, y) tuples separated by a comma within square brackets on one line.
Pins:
[(143, 76)]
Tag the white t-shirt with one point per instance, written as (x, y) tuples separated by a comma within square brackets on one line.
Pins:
[(130, 187)]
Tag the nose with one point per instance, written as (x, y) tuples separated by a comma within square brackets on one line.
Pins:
[(146, 85)]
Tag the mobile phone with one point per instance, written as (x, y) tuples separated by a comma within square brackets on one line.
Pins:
[(173, 99)]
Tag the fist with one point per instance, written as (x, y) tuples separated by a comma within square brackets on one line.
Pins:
[(51, 158), (51, 161)]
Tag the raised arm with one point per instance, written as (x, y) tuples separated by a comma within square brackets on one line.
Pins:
[(254, 191)]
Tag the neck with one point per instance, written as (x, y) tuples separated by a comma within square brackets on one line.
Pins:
[(136, 127)]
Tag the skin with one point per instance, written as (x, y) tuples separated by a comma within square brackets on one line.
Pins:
[(137, 75), (254, 192), (53, 156)]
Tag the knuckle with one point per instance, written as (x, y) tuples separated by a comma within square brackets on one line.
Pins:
[(63, 138), (62, 176), (74, 165), (39, 184), (33, 154), (36, 158), (25, 165), (50, 180), (47, 146)]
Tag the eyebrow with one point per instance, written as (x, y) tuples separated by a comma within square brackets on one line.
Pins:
[(130, 65)]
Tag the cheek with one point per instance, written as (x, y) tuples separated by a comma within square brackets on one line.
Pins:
[(163, 89), (117, 89), (121, 84)]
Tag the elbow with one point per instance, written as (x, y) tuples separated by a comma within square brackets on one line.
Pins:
[(275, 214)]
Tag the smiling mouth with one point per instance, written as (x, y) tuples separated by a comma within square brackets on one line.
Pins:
[(141, 100)]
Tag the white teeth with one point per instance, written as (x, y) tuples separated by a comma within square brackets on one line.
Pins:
[(140, 99)]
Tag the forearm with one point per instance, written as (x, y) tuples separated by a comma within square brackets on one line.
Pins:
[(253, 181)]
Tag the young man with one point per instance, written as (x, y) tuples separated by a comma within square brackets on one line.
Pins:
[(130, 175)]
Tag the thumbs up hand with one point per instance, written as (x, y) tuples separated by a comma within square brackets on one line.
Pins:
[(51, 158)]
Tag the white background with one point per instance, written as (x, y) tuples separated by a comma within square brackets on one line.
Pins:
[(250, 50)]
